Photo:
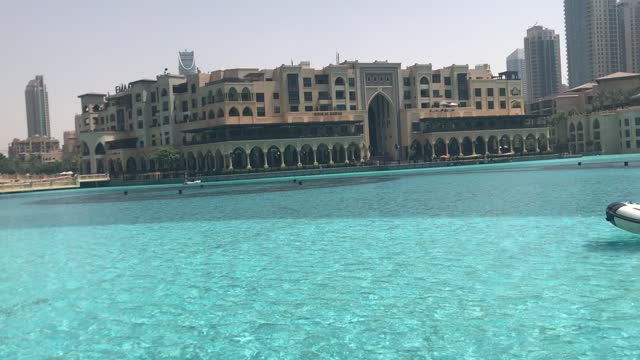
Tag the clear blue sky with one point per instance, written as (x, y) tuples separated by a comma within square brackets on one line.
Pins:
[(82, 46)]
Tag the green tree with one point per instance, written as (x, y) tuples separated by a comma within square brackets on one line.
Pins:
[(166, 156)]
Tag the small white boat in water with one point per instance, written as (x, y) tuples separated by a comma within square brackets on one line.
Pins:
[(186, 182), (626, 216)]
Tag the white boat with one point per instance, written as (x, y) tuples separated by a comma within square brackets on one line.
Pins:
[(626, 216), (186, 182)]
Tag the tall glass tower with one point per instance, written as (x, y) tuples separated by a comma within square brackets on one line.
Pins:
[(37, 101), (187, 63)]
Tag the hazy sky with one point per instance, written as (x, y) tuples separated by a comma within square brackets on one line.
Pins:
[(82, 46)]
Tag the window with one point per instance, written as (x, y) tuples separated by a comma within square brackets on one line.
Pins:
[(294, 108), (436, 93), (154, 110), (478, 105), (352, 82), (138, 112), (308, 108), (628, 144), (407, 95), (185, 106), (260, 111), (140, 124), (638, 143), (626, 122), (353, 107), (308, 96), (153, 142), (323, 95), (138, 97), (324, 107), (447, 81), (424, 93), (425, 105), (503, 104), (638, 132), (435, 78), (163, 92), (276, 109), (339, 81), (478, 92), (193, 88), (637, 121), (341, 107), (194, 117), (292, 89), (165, 120), (447, 94), (260, 97), (503, 92), (194, 103), (406, 81), (306, 82), (627, 133), (352, 95), (339, 94), (153, 97), (407, 106), (276, 96), (463, 104), (322, 79), (490, 105), (203, 101), (436, 105), (490, 92)]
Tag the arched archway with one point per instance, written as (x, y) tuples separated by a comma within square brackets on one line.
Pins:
[(530, 143), (339, 153), (339, 81), (290, 156), (220, 113), (416, 151), (492, 145), (274, 157), (211, 115), (220, 165), (99, 150), (256, 158), (201, 162), (152, 165), (232, 95), (210, 162), (246, 94), (454, 147), (306, 155), (424, 80), (85, 149), (191, 162), (233, 112), (219, 96), (440, 148), (380, 110), (467, 147), (323, 154), (505, 144), (247, 111), (480, 146), (143, 165), (353, 153), (428, 151), (239, 158), (518, 144)]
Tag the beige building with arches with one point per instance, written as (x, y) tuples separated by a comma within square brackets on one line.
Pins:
[(289, 117)]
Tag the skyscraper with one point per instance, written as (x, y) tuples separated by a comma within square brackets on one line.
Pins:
[(629, 25), (593, 48), (37, 101), (542, 54), (516, 62), (187, 63)]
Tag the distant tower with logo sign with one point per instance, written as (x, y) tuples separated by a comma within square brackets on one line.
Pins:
[(187, 63)]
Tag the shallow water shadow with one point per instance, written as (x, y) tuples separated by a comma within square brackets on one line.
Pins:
[(624, 244)]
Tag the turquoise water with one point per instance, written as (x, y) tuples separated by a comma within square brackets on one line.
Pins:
[(486, 262)]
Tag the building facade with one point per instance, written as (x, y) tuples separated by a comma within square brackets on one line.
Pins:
[(187, 63), (37, 103), (41, 147), (593, 49), (542, 53), (516, 62), (629, 24), (71, 144), (293, 116)]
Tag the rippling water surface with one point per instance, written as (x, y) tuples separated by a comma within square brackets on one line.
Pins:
[(502, 261)]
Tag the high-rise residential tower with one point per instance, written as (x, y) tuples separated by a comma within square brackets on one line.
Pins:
[(629, 25), (516, 62), (542, 54), (37, 101), (187, 63), (593, 48)]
